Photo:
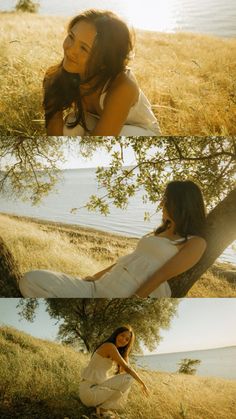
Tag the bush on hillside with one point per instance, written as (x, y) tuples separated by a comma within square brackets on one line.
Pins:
[(27, 6)]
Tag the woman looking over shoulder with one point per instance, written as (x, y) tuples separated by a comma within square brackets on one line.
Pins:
[(175, 247), (100, 389), (93, 84)]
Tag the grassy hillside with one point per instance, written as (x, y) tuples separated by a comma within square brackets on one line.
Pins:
[(189, 78), (81, 251), (39, 379)]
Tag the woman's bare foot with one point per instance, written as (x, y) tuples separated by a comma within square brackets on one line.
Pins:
[(109, 414), (106, 414), (98, 412)]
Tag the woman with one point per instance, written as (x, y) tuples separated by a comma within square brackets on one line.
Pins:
[(106, 392), (174, 248), (93, 84)]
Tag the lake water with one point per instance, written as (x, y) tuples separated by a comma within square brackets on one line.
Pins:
[(218, 362), (73, 191), (215, 17)]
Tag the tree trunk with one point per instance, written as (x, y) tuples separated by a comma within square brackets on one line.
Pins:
[(9, 273), (221, 232)]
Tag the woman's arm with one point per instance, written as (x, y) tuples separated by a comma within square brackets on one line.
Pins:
[(98, 275), (110, 350), (187, 257), (55, 125), (119, 99)]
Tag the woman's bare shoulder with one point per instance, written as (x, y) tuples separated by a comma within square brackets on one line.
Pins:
[(196, 241), (105, 348), (125, 83)]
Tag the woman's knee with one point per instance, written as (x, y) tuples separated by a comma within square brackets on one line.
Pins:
[(26, 283)]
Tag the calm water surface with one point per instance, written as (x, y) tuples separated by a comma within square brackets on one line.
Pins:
[(218, 362), (215, 17), (73, 191)]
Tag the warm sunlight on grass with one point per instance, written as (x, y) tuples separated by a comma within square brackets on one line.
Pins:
[(189, 78), (37, 375), (82, 251)]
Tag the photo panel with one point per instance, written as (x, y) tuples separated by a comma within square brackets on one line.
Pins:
[(157, 71), (117, 209), (123, 358), (118, 217)]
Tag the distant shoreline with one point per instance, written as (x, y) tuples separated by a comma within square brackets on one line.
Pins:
[(64, 225), (169, 31), (191, 350)]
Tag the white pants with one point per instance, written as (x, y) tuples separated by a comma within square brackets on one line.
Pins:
[(117, 283), (91, 122), (49, 284), (111, 394)]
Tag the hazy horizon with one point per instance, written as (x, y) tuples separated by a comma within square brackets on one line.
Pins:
[(212, 17)]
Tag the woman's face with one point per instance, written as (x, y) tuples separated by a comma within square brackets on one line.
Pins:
[(77, 47), (123, 339)]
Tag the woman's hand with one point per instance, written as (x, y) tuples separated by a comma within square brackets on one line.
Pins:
[(89, 278), (98, 275)]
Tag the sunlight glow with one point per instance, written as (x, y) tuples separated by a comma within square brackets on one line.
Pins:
[(163, 17)]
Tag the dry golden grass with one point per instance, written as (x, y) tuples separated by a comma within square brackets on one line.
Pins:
[(41, 376), (210, 285), (189, 79), (82, 251), (71, 249)]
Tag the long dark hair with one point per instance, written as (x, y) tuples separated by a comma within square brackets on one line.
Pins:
[(184, 203), (124, 350), (109, 56)]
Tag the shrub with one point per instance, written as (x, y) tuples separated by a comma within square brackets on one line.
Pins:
[(27, 6), (188, 366)]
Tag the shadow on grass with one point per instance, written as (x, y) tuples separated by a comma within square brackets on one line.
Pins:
[(25, 408)]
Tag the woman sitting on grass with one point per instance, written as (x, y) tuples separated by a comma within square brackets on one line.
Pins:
[(97, 387), (176, 246), (93, 84)]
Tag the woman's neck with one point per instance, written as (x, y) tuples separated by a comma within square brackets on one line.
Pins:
[(170, 233)]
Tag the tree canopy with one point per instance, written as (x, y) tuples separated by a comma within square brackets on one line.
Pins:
[(209, 161), (33, 166), (30, 167), (87, 322)]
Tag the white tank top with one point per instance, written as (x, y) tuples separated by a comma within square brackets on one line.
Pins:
[(151, 253), (140, 114), (97, 370)]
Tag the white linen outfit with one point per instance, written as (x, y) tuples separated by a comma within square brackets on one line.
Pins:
[(98, 388), (140, 120), (122, 281)]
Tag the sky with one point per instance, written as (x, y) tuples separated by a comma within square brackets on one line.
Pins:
[(74, 160), (98, 158), (202, 323)]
